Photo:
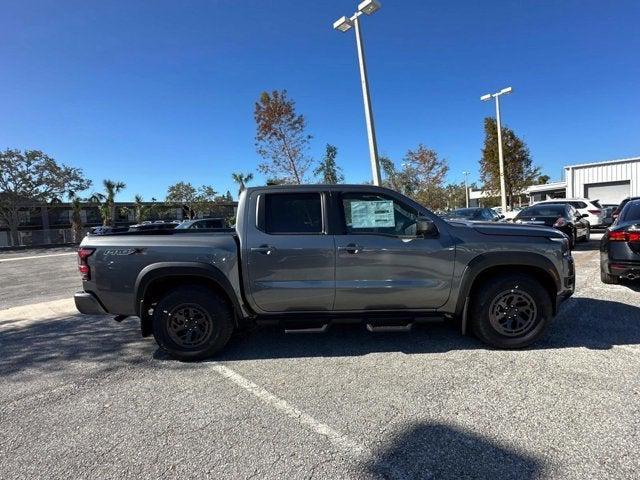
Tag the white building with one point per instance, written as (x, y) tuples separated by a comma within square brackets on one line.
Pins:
[(610, 182)]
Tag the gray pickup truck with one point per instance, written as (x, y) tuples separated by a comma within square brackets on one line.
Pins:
[(305, 257)]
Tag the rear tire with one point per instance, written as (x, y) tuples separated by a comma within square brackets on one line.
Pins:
[(587, 235), (512, 311), (192, 323)]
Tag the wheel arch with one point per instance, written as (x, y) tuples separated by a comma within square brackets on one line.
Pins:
[(488, 265), (157, 279)]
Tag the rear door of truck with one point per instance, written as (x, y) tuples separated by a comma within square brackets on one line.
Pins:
[(289, 254)]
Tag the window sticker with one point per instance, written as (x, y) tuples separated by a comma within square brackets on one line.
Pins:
[(372, 214)]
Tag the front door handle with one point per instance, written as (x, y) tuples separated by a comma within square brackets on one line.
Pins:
[(351, 248), (264, 249)]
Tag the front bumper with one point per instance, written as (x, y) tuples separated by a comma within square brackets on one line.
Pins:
[(88, 304), (568, 281)]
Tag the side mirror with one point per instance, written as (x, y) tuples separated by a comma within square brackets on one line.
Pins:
[(426, 228)]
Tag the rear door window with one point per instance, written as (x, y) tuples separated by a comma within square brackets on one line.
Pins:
[(293, 213)]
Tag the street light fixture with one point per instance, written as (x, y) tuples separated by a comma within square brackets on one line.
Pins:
[(344, 24), (369, 7), (503, 189)]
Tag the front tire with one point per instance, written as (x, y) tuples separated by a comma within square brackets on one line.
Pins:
[(510, 312), (192, 323)]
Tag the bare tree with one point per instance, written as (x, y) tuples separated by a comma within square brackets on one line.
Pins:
[(281, 137)]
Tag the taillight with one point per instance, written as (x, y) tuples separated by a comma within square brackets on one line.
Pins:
[(83, 265), (622, 236), (595, 212), (560, 222)]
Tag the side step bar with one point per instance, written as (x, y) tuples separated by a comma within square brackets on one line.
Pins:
[(390, 328), (321, 329), (379, 327)]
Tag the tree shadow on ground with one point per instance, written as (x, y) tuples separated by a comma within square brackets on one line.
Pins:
[(53, 344), (438, 451)]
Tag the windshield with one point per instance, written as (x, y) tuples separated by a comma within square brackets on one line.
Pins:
[(468, 213)]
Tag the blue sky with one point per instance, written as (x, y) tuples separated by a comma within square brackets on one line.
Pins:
[(151, 92)]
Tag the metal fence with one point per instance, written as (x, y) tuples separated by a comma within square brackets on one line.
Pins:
[(34, 238)]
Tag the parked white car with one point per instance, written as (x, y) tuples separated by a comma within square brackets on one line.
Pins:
[(592, 208)]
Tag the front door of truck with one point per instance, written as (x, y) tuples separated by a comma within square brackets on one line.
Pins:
[(291, 258), (381, 264)]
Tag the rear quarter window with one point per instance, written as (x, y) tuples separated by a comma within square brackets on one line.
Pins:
[(630, 212)]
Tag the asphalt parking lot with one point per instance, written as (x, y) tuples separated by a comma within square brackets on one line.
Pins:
[(85, 397)]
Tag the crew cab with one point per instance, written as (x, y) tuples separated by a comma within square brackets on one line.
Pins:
[(305, 257)]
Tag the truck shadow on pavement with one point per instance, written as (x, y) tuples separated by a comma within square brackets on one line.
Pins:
[(582, 322), (436, 450), (75, 342)]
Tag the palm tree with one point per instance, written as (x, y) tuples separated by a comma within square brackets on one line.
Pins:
[(106, 201), (140, 210), (241, 179), (76, 217)]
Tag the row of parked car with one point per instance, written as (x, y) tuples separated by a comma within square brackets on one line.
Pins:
[(159, 225), (575, 217)]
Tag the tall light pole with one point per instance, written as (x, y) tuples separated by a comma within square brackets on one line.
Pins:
[(484, 98), (343, 24), (466, 188)]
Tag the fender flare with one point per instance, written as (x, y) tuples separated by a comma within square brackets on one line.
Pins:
[(488, 260), (156, 271)]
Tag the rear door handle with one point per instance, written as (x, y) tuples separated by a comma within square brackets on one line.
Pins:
[(351, 248), (264, 249)]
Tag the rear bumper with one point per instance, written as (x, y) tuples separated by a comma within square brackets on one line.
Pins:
[(630, 270), (87, 303)]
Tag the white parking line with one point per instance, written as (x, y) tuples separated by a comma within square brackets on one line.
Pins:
[(335, 437), (37, 256), (344, 443)]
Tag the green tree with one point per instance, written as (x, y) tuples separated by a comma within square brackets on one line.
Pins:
[(454, 195), (328, 171), (193, 200), (107, 200), (32, 176), (519, 171), (280, 137), (140, 210), (543, 179), (241, 179), (76, 217)]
